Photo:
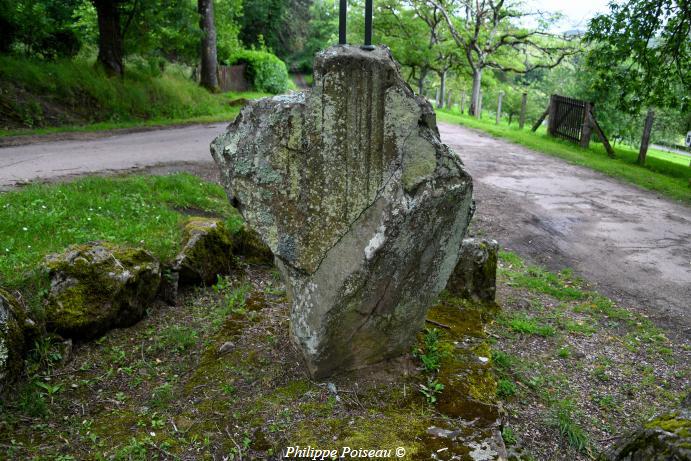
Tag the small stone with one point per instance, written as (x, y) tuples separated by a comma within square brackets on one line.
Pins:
[(666, 437), (226, 347), (475, 275), (66, 351), (443, 433), (207, 251)]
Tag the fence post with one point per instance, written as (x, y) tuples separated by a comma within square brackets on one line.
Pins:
[(587, 130), (645, 140), (551, 116), (499, 98), (462, 102), (524, 103)]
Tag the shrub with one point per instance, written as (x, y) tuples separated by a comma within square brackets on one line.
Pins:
[(266, 71)]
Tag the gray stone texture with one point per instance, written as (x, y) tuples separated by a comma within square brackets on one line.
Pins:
[(475, 275), (361, 204)]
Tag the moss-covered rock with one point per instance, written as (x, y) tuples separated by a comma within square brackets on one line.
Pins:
[(475, 275), (663, 438), (13, 341), (207, 251), (247, 243), (99, 286)]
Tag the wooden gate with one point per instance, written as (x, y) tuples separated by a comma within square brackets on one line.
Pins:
[(567, 117), (232, 78), (572, 119)]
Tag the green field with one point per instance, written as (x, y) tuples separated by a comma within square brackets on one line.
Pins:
[(664, 172)]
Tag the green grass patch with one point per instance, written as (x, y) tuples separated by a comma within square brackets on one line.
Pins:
[(662, 173), (505, 388), (521, 323), (144, 211), (562, 286), (563, 418)]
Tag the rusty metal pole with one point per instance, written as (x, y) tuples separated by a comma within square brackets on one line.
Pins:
[(342, 16), (368, 26)]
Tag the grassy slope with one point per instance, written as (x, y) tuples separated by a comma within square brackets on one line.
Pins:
[(671, 178), (39, 97), (138, 210)]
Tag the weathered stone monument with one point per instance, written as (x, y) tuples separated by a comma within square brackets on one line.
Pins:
[(362, 205)]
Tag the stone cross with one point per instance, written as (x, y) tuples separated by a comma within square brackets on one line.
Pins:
[(365, 225)]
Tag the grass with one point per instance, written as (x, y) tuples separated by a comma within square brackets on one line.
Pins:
[(664, 172), (563, 418), (145, 211), (41, 97), (574, 365), (527, 325)]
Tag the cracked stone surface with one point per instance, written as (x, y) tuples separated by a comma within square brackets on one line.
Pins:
[(361, 204)]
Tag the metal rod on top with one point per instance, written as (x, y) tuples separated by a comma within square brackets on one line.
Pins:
[(368, 26), (342, 16)]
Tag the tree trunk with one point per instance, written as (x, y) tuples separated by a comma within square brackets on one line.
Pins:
[(442, 90), (110, 42), (475, 106), (645, 139), (421, 82), (209, 78)]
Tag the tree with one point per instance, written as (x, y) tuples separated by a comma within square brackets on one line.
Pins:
[(41, 28), (322, 32), (643, 47), (110, 36), (209, 79), (262, 22), (400, 23), (486, 32)]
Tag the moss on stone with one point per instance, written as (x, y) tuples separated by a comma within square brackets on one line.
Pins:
[(99, 286), (207, 251), (247, 243), (673, 422), (381, 430)]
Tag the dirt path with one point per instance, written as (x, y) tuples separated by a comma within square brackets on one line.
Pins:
[(630, 243)]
